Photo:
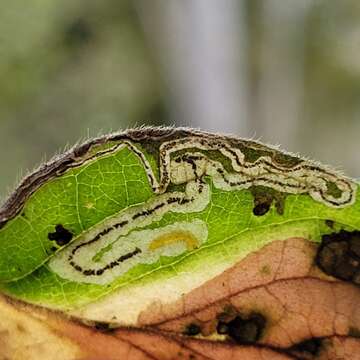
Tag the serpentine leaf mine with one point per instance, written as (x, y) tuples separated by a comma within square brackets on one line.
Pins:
[(132, 219)]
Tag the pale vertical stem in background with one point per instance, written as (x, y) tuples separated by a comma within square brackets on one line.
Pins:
[(201, 46), (280, 101)]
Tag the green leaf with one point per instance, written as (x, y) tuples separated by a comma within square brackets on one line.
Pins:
[(154, 213)]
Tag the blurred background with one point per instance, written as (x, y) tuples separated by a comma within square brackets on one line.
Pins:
[(283, 72)]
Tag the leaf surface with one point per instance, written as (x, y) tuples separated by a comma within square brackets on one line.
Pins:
[(208, 245)]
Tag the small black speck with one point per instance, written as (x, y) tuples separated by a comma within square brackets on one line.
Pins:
[(222, 328), (103, 327), (192, 329), (329, 223)]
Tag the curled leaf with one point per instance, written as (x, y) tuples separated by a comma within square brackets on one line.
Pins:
[(209, 246)]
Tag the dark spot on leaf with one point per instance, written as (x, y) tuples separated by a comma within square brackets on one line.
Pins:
[(103, 327), (330, 223), (192, 329), (53, 248), (20, 328), (222, 328), (265, 270), (261, 209), (61, 235), (354, 332), (339, 255), (264, 197), (311, 346), (244, 330)]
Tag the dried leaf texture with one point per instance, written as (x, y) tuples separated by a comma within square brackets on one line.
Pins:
[(274, 304)]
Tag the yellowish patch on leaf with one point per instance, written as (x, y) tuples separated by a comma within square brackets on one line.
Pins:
[(174, 237)]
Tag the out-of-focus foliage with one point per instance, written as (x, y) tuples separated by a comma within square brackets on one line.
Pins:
[(315, 58), (331, 121), (68, 68)]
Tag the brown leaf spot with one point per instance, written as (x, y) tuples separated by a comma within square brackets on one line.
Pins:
[(299, 302), (244, 330), (339, 255), (307, 347), (192, 329)]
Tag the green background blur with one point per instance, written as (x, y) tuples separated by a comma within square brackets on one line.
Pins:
[(285, 72)]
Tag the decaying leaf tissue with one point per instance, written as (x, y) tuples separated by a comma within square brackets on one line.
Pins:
[(162, 243)]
